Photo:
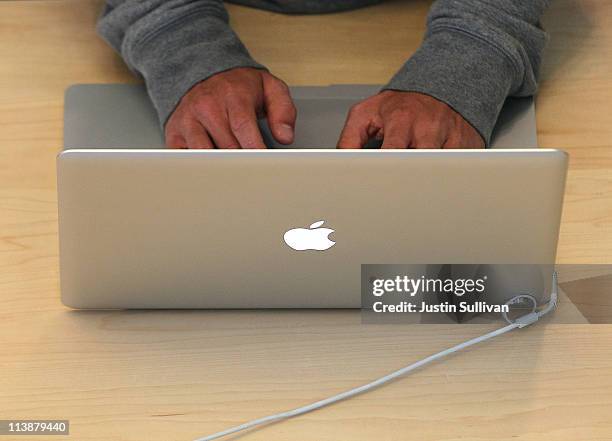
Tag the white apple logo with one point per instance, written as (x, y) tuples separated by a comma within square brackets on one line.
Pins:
[(311, 238)]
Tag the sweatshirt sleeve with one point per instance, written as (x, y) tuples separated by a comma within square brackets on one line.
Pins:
[(475, 54), (172, 44)]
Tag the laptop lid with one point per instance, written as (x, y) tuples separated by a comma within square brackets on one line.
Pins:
[(208, 229)]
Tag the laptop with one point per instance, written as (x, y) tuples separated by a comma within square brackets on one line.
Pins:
[(283, 228)]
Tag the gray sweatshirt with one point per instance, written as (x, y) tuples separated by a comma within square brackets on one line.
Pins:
[(475, 53)]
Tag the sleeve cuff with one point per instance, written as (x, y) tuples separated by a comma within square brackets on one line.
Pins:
[(466, 73), (175, 59)]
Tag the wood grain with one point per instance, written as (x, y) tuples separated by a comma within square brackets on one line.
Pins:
[(173, 375)]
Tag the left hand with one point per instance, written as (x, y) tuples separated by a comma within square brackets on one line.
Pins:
[(407, 120)]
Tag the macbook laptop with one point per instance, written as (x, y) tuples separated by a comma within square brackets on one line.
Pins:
[(291, 228)]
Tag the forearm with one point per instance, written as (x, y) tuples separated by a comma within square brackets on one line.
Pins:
[(173, 44), (475, 54)]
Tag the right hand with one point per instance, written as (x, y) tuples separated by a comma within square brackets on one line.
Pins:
[(222, 112)]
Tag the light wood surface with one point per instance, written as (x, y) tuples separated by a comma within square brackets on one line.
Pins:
[(173, 375)]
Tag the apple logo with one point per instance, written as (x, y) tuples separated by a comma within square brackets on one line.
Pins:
[(311, 238)]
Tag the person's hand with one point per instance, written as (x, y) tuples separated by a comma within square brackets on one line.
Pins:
[(407, 120), (222, 112)]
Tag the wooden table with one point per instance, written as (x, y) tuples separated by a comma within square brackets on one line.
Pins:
[(173, 375)]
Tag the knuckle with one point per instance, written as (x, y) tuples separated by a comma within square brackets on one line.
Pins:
[(402, 114), (357, 109), (182, 122), (190, 125), (429, 117), (204, 105), (239, 123), (234, 94), (239, 101), (430, 125)]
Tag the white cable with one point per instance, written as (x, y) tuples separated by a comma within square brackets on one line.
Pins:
[(520, 322)]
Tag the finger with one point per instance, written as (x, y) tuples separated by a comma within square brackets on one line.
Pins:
[(243, 123), (196, 136), (174, 139), (428, 136), (355, 133), (396, 135), (475, 140), (280, 110), (222, 136), (215, 122), (458, 140), (459, 144), (453, 141)]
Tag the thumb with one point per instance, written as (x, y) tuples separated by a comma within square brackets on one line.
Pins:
[(280, 110)]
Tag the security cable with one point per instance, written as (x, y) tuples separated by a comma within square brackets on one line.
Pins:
[(520, 322)]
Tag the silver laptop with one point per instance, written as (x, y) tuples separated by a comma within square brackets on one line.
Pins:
[(291, 228)]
